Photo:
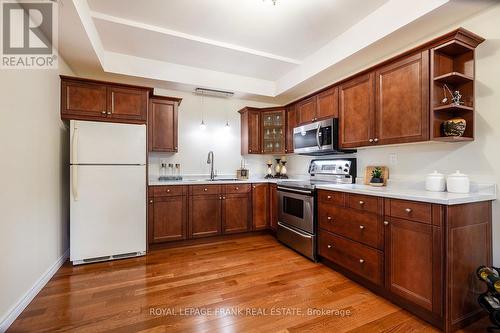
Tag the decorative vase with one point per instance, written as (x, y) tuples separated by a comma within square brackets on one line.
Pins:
[(454, 127), (377, 181)]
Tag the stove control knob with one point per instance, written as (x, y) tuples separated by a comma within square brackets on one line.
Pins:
[(346, 170)]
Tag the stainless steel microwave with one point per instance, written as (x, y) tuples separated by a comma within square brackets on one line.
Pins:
[(318, 138)]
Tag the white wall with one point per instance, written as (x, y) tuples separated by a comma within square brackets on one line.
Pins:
[(194, 143), (34, 215), (481, 158)]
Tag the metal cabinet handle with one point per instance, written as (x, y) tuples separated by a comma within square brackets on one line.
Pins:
[(108, 113), (329, 218), (223, 198), (103, 113), (236, 188), (361, 261), (220, 198), (249, 150), (205, 189), (386, 222), (370, 140), (375, 140), (329, 246), (361, 227), (253, 186), (408, 210), (329, 197), (151, 201), (361, 202)]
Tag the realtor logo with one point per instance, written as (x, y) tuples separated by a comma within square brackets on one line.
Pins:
[(29, 34)]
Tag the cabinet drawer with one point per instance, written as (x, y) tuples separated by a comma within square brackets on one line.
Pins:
[(168, 190), (365, 203), (237, 188), (205, 189), (357, 258), (331, 197), (411, 210), (363, 227)]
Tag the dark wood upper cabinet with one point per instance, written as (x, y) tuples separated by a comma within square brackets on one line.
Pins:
[(84, 99), (402, 100), (260, 206), (291, 123), (306, 110), (127, 103), (357, 112), (163, 124), (236, 212), (250, 131), (409, 261), (205, 215), (273, 131), (328, 104), (169, 218)]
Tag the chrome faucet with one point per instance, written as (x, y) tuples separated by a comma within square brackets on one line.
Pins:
[(210, 160)]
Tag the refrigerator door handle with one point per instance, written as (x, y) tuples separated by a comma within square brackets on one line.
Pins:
[(74, 143), (74, 182)]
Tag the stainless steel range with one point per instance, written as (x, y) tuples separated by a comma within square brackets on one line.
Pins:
[(297, 202)]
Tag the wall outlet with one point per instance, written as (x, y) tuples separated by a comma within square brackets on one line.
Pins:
[(393, 159)]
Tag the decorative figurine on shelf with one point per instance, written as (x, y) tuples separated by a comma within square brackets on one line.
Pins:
[(283, 168), (277, 168), (454, 127), (456, 97), (269, 169), (490, 300)]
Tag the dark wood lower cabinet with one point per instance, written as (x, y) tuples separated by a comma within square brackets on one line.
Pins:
[(273, 207), (169, 217), (409, 261), (430, 253), (236, 213), (205, 215), (260, 206)]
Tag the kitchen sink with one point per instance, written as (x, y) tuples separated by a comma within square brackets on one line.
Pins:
[(222, 179)]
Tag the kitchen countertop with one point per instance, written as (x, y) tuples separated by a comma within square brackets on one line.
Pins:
[(478, 193), (196, 181), (405, 191)]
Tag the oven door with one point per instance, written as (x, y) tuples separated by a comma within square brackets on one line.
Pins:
[(296, 208), (314, 138)]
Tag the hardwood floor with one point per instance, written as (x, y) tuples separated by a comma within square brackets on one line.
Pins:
[(181, 290)]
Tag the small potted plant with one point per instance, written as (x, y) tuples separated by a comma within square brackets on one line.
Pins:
[(377, 177)]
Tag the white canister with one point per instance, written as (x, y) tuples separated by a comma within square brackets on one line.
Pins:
[(435, 182), (458, 183)]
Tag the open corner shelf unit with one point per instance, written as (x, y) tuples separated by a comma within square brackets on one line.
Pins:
[(452, 64)]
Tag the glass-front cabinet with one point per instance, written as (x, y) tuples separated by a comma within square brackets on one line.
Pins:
[(273, 131)]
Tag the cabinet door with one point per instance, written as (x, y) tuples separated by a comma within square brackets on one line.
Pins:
[(254, 146), (236, 212), (412, 259), (402, 100), (169, 218), (205, 215), (273, 216), (260, 206), (328, 104), (291, 122), (83, 100), (306, 110), (127, 104), (162, 126), (356, 112), (273, 131)]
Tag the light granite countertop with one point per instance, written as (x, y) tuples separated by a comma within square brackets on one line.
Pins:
[(405, 191), (481, 192)]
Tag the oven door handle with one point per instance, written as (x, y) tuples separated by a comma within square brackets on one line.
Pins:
[(295, 231), (317, 136), (293, 190)]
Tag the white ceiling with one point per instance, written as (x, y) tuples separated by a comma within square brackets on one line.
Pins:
[(247, 46)]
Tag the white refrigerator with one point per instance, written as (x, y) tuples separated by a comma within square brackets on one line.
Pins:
[(108, 191)]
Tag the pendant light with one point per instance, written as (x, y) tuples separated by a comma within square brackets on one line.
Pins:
[(227, 127), (203, 126)]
